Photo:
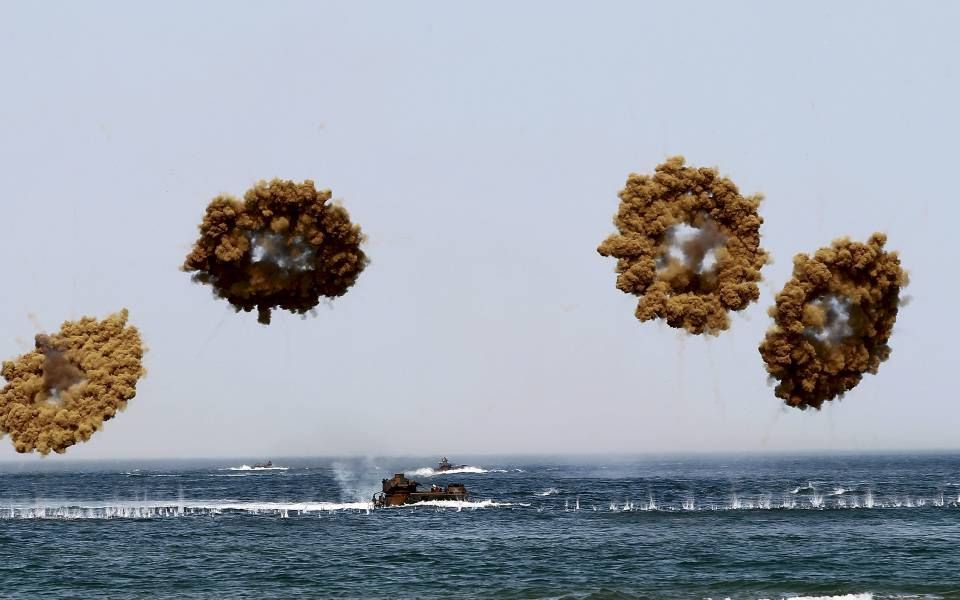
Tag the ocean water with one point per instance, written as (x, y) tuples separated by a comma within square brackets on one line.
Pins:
[(851, 526)]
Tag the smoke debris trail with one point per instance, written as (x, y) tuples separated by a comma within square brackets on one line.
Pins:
[(832, 320), (60, 393), (688, 246), (283, 246)]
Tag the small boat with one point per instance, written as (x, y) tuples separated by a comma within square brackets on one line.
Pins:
[(444, 465), (266, 465), (399, 490)]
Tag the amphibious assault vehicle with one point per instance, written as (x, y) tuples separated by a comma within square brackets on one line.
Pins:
[(399, 490), (444, 465)]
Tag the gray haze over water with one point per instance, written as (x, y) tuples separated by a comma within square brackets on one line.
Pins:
[(481, 148)]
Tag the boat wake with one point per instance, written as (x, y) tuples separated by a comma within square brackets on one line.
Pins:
[(429, 472), (153, 510), (461, 504), (159, 509), (249, 468)]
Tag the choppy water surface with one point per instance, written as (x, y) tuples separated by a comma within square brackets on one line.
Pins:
[(852, 527)]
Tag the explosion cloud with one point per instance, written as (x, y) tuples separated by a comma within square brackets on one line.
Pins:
[(61, 393), (283, 246), (832, 320), (688, 246)]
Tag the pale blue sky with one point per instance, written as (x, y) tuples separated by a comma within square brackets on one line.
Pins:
[(481, 147)]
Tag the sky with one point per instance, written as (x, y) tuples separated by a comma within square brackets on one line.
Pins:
[(481, 147)]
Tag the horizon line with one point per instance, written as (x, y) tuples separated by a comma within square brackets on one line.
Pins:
[(587, 454)]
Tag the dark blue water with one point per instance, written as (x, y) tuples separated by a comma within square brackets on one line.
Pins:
[(697, 527)]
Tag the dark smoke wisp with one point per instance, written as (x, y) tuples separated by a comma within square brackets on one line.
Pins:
[(283, 246), (833, 320), (60, 393), (690, 279)]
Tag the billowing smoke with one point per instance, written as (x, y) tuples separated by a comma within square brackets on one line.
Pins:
[(832, 320), (283, 246), (58, 372), (61, 393), (688, 246)]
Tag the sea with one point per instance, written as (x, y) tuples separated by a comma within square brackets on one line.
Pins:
[(837, 527)]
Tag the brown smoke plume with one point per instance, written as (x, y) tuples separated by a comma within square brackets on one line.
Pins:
[(283, 246), (684, 290), (832, 320), (61, 393)]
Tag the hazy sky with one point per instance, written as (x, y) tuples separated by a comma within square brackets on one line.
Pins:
[(481, 147)]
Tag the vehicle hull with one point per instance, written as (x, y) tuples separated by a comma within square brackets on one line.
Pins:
[(399, 490)]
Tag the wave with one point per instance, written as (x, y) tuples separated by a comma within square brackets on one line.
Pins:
[(547, 492), (428, 472), (249, 468)]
